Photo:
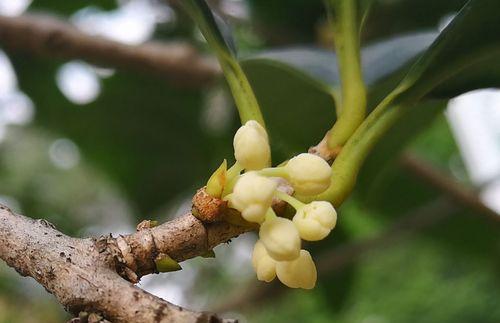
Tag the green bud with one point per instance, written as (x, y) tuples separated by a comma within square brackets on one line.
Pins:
[(217, 181), (209, 254), (166, 264)]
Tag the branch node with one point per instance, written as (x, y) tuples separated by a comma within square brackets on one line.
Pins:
[(208, 208), (146, 224)]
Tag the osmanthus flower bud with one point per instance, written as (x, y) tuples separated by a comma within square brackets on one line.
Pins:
[(315, 220), (309, 174), (263, 264), (298, 273), (281, 238), (252, 196), (251, 146)]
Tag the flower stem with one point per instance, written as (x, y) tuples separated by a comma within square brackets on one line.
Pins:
[(270, 215), (242, 92), (343, 16), (246, 102), (296, 204), (346, 166), (273, 172)]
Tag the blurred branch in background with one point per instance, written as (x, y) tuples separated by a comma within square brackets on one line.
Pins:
[(448, 186), (454, 197), (179, 63)]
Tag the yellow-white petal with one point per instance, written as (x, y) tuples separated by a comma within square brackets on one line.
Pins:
[(252, 196), (281, 238), (263, 264), (308, 174), (315, 220), (298, 273), (251, 146)]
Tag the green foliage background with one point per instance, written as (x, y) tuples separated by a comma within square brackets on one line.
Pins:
[(143, 143)]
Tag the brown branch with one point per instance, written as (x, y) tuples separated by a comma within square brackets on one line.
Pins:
[(82, 273), (42, 35), (447, 185), (182, 238)]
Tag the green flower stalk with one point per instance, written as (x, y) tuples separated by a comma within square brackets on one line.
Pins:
[(343, 17)]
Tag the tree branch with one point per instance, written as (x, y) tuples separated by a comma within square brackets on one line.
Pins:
[(447, 185), (46, 36), (182, 238), (82, 273)]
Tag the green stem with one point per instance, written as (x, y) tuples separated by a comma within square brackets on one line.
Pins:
[(346, 166), (296, 204), (279, 171), (245, 99), (246, 102), (345, 25), (270, 214)]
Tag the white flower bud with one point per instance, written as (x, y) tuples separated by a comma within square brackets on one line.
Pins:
[(263, 264), (251, 146), (308, 174), (281, 238), (252, 196), (298, 273), (315, 220)]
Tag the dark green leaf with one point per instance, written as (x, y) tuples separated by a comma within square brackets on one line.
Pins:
[(379, 60), (464, 57), (212, 26), (298, 109), (294, 86)]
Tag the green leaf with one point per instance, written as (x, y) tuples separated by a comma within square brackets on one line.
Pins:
[(380, 61), (464, 57), (220, 40), (298, 108), (296, 85), (214, 29), (377, 172), (209, 254), (217, 181), (164, 263)]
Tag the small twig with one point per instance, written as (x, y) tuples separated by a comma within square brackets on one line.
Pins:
[(447, 185), (180, 63)]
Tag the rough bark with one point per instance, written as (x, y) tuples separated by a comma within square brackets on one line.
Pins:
[(82, 273), (43, 35), (182, 238)]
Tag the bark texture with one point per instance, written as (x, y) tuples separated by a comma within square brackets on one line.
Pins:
[(82, 273)]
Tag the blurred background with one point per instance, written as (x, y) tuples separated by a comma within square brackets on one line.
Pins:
[(96, 150)]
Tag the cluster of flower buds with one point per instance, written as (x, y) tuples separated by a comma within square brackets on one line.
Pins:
[(278, 252)]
